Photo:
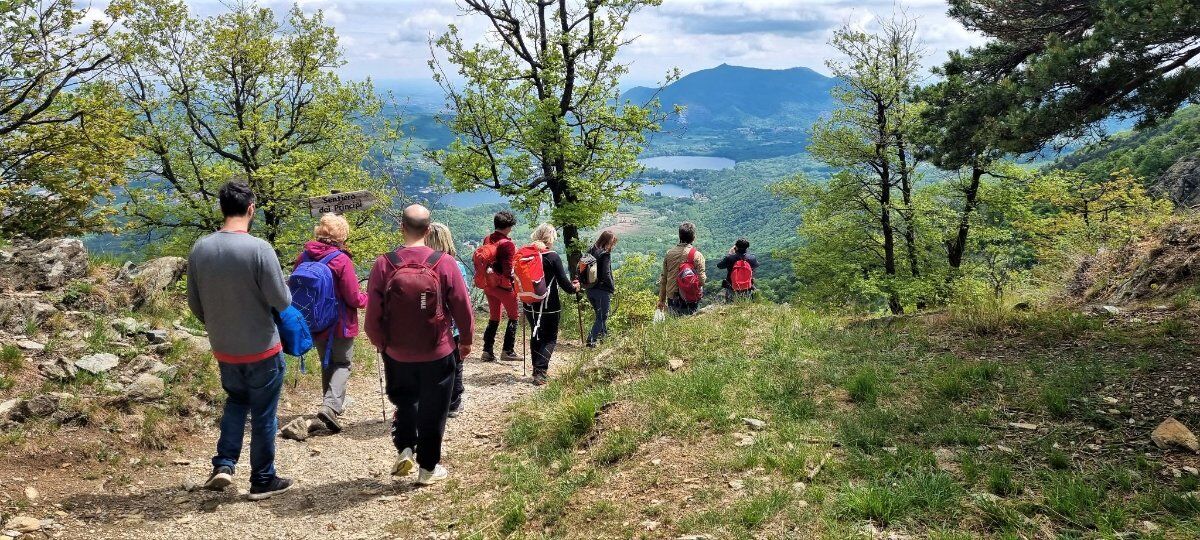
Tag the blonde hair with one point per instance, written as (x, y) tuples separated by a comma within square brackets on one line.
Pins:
[(332, 229), (544, 235), (440, 239)]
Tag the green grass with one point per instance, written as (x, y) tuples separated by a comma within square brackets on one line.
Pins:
[(11, 358), (913, 417)]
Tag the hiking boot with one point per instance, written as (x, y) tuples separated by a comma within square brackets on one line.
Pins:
[(276, 486), (512, 357), (426, 478), (330, 419), (487, 357), (404, 464), (540, 379), (221, 478)]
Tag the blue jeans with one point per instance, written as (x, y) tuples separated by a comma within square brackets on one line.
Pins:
[(251, 389), (601, 302)]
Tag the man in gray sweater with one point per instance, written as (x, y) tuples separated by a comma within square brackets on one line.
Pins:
[(234, 281)]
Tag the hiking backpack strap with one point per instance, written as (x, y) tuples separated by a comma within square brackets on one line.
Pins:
[(328, 258), (393, 256), (434, 259), (692, 256)]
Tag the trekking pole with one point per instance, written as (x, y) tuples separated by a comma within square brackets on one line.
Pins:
[(382, 395), (579, 315), (522, 339)]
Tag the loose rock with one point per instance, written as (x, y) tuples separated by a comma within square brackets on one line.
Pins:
[(675, 364), (146, 387), (298, 429), (156, 337), (98, 363), (58, 369), (23, 524), (31, 346), (754, 423), (1171, 433), (1021, 425)]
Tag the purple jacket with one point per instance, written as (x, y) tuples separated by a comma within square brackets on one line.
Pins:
[(346, 282)]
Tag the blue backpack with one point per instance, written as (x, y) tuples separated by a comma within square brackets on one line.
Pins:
[(314, 293), (293, 333)]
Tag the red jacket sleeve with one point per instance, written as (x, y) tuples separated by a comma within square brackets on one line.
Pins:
[(347, 283), (375, 289), (458, 299)]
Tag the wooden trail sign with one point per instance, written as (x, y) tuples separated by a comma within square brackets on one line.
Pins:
[(340, 203)]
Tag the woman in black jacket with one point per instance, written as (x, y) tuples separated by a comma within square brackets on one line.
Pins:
[(544, 317), (601, 293)]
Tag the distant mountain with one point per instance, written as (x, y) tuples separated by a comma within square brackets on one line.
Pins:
[(739, 97)]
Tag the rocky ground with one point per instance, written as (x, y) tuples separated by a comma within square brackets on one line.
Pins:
[(344, 487), (108, 407)]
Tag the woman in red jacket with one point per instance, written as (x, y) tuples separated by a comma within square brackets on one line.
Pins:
[(331, 234)]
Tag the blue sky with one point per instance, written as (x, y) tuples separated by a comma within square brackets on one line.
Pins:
[(388, 39)]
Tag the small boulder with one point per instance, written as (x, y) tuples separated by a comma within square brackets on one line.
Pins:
[(44, 405), (754, 423), (675, 364), (98, 363), (142, 363), (23, 524), (156, 337), (45, 265), (58, 369), (9, 409), (298, 429), (146, 387), (30, 346), (154, 277), (128, 326), (1173, 434)]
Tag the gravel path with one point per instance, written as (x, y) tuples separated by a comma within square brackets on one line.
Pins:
[(344, 489)]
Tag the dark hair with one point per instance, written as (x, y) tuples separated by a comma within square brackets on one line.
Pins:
[(742, 245), (687, 232), (235, 198), (419, 226), (503, 220), (606, 239)]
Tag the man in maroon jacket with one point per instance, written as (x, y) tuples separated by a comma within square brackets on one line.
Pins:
[(499, 292), (418, 359)]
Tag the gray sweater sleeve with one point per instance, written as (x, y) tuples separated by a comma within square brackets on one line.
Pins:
[(271, 279), (193, 295)]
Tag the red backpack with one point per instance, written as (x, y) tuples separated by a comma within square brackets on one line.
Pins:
[(741, 277), (485, 263), (690, 289), (529, 275), (413, 308)]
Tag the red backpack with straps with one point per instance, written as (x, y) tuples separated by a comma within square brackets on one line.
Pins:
[(413, 307), (690, 288), (484, 260), (741, 276)]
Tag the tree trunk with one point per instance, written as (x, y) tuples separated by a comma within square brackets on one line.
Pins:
[(885, 206), (958, 246)]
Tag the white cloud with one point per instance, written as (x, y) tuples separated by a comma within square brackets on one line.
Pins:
[(419, 26), (387, 39)]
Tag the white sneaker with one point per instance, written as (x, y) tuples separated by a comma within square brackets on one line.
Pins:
[(438, 474), (404, 464)]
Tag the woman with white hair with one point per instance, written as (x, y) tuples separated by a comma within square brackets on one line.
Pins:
[(329, 246), (544, 316)]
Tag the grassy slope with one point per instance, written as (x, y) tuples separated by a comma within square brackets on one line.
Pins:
[(910, 418)]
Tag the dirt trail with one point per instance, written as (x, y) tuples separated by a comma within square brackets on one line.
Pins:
[(344, 490)]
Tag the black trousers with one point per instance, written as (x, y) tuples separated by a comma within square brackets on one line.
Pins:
[(545, 339), (510, 336), (421, 393), (680, 308)]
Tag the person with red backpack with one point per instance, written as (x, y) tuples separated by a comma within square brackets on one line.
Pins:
[(538, 275), (335, 282), (681, 286), (493, 274), (739, 266), (415, 297)]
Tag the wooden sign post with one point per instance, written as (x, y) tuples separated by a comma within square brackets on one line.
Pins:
[(340, 203)]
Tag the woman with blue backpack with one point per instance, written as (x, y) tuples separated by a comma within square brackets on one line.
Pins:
[(325, 289)]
